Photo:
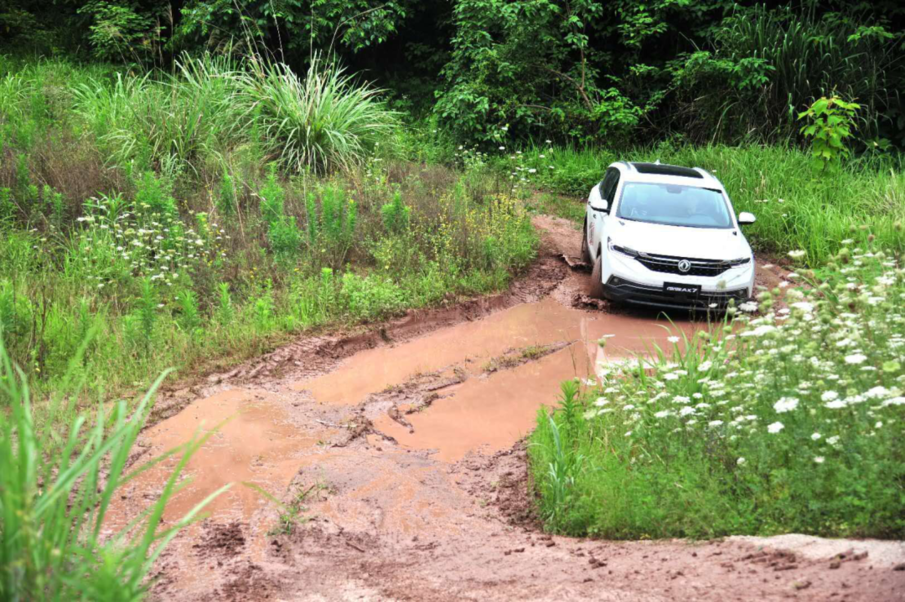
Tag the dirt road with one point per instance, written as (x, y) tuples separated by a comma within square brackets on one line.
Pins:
[(397, 450)]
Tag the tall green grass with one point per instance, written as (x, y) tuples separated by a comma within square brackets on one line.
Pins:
[(165, 121), (57, 485), (322, 120), (208, 106), (809, 56)]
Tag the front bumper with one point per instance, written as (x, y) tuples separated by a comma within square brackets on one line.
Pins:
[(619, 289)]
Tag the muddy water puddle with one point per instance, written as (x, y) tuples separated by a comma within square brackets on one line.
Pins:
[(542, 323), (490, 410), (252, 440), (258, 437)]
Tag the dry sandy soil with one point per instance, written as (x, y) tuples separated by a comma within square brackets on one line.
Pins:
[(398, 450)]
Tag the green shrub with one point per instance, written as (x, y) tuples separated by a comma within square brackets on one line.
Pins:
[(331, 225), (285, 237), (371, 297), (189, 314), (396, 215), (272, 198), (225, 310), (227, 201), (152, 196), (785, 422), (315, 300)]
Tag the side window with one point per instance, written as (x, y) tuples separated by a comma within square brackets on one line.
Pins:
[(603, 184), (611, 194), (610, 183), (607, 184)]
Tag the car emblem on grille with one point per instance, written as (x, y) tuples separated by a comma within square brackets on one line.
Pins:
[(684, 265)]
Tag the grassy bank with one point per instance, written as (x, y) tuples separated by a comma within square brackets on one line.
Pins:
[(790, 421), (189, 218), (796, 207)]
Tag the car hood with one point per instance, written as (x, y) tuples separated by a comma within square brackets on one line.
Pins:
[(678, 241)]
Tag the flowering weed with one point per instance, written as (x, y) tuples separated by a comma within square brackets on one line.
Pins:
[(790, 420)]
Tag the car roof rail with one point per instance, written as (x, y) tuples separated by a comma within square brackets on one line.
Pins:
[(704, 173), (661, 169)]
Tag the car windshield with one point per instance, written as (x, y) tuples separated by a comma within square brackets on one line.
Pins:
[(674, 205)]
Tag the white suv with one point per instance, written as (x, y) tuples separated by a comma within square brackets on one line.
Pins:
[(666, 236)]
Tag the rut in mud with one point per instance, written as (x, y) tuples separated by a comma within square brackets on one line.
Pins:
[(395, 454)]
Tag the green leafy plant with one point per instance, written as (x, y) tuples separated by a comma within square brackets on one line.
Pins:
[(331, 225), (395, 215), (227, 201), (830, 122)]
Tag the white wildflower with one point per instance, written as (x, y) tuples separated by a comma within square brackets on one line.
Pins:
[(785, 404), (877, 393)]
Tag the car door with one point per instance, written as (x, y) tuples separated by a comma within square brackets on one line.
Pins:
[(599, 205)]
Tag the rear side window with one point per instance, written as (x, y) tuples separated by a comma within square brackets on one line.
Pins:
[(611, 191), (608, 186)]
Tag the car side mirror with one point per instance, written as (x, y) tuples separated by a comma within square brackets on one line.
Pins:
[(600, 205), (745, 218)]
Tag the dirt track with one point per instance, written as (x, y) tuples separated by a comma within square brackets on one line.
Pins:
[(400, 446)]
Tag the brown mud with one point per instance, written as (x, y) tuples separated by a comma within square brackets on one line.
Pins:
[(397, 455)]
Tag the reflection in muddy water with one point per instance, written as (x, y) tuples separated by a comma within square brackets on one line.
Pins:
[(540, 323)]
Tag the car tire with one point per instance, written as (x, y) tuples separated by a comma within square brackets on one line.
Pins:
[(595, 289), (585, 251)]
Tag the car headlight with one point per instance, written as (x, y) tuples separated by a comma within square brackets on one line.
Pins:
[(734, 263), (624, 250)]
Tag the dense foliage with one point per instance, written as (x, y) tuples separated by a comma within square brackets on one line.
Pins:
[(197, 210), (785, 421), (580, 70)]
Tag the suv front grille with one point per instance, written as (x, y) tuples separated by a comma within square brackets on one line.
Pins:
[(670, 265)]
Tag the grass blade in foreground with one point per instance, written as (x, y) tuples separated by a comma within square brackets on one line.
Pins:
[(54, 495)]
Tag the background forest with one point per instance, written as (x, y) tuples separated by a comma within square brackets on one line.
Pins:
[(570, 70)]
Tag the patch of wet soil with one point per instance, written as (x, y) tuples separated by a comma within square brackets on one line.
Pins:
[(411, 436)]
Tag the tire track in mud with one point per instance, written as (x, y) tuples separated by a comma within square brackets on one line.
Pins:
[(395, 452)]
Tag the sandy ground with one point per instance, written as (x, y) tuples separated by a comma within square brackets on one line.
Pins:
[(399, 450)]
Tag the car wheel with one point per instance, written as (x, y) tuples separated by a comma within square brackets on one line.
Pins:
[(595, 289), (585, 251)]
